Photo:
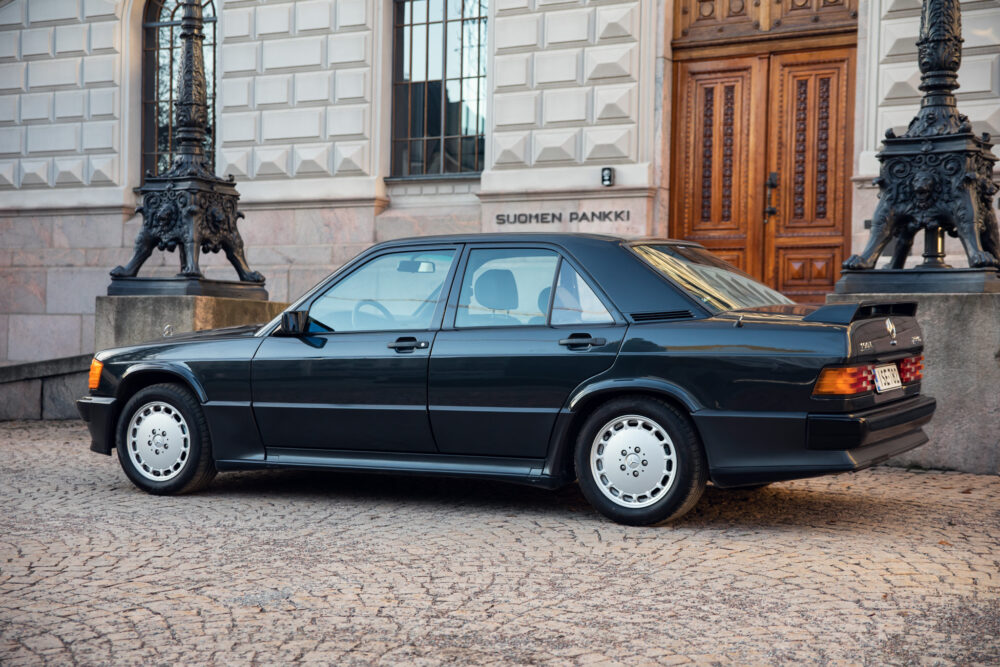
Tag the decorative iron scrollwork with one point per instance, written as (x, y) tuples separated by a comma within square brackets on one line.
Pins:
[(189, 208), (938, 176)]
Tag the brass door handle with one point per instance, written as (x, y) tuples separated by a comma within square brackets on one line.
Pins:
[(771, 184)]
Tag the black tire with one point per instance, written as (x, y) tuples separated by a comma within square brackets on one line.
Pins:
[(197, 467), (690, 472)]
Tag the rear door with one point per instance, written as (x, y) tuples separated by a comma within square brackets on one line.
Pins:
[(523, 328)]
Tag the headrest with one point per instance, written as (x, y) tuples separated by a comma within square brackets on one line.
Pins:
[(497, 290), (543, 300)]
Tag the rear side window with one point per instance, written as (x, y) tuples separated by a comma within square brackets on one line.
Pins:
[(506, 287), (575, 302)]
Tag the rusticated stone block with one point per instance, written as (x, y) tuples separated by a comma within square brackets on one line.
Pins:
[(126, 320), (59, 394), (962, 371), (37, 337), (21, 400)]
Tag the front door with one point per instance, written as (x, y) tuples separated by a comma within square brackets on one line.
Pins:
[(761, 164), (524, 329), (358, 380)]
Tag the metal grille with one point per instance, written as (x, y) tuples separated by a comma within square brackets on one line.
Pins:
[(161, 50), (439, 86)]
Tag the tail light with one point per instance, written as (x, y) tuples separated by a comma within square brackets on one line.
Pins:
[(911, 369), (94, 378), (845, 381)]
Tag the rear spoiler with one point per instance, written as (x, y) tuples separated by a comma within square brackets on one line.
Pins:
[(845, 313)]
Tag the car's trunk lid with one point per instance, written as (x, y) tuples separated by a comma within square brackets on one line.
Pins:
[(875, 330)]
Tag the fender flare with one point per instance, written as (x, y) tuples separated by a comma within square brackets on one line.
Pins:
[(595, 389), (653, 384), (179, 370)]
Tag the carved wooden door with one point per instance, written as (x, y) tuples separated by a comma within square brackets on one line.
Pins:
[(737, 120)]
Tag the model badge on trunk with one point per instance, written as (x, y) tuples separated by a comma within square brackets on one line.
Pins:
[(891, 328)]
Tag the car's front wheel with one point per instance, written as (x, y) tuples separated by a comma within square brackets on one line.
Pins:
[(162, 441), (639, 461)]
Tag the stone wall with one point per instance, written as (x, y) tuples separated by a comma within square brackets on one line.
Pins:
[(573, 90), (60, 90), (43, 390), (962, 371), (303, 124), (296, 98)]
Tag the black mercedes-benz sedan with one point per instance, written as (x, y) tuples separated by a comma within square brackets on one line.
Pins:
[(642, 368)]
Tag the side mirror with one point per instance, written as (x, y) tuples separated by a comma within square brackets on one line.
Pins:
[(293, 323)]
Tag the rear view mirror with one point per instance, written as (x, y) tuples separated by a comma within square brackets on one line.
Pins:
[(293, 323), (414, 266)]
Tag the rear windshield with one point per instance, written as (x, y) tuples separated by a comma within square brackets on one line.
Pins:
[(716, 284)]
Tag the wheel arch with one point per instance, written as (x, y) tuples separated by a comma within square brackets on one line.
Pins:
[(585, 399), (140, 376)]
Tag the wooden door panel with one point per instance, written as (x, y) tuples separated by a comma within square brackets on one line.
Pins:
[(735, 120), (809, 139), (718, 154), (699, 22), (805, 271)]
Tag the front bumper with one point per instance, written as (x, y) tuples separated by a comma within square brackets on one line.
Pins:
[(99, 413)]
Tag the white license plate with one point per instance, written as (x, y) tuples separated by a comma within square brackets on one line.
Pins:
[(886, 378)]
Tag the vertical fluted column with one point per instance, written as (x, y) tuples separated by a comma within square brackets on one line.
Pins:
[(192, 107), (939, 54)]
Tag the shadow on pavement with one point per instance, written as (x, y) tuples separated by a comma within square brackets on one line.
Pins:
[(776, 505)]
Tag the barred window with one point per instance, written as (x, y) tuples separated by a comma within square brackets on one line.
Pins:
[(439, 86), (161, 69)]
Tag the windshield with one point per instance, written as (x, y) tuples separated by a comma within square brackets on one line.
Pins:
[(716, 284)]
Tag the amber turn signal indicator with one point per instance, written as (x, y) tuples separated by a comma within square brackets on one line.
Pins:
[(845, 381), (95, 374)]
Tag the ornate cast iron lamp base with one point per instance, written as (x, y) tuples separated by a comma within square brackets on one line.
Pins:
[(938, 178), (189, 209)]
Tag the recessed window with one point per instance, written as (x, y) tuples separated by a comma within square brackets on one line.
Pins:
[(439, 86), (161, 73)]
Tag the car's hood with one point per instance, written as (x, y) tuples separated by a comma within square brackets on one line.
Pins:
[(242, 331)]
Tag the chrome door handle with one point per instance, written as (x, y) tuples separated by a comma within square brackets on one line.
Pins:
[(408, 344), (582, 341)]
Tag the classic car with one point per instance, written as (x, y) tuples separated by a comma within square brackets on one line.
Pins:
[(644, 369)]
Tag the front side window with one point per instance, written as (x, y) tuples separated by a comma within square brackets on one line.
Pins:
[(439, 86), (161, 70), (393, 292), (713, 282), (506, 288)]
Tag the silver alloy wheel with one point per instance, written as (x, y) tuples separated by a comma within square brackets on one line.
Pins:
[(633, 461), (159, 442)]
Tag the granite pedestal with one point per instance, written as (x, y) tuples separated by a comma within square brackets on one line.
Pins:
[(125, 320), (962, 371)]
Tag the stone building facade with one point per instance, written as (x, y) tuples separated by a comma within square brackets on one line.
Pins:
[(304, 118)]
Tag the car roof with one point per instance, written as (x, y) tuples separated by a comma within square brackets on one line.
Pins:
[(559, 238)]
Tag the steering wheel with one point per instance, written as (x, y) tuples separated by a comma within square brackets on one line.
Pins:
[(383, 312)]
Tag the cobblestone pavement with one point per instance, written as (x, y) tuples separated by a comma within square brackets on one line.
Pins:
[(885, 566)]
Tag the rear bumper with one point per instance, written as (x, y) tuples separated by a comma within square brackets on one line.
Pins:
[(99, 413), (756, 448), (870, 427)]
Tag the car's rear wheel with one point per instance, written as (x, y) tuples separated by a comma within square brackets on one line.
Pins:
[(162, 441), (639, 461)]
